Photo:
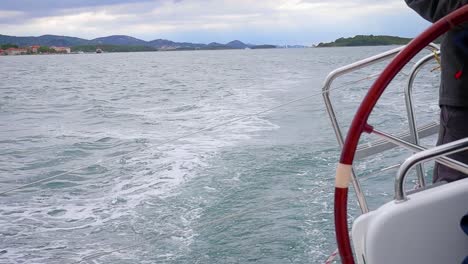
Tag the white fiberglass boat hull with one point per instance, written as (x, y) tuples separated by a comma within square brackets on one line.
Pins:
[(426, 228)]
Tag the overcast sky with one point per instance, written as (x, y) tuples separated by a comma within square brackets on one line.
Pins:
[(254, 21)]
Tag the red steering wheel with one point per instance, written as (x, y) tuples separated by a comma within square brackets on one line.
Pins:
[(359, 124)]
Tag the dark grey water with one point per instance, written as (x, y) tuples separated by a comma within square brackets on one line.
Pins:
[(258, 190)]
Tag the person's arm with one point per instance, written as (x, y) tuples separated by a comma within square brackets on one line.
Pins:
[(434, 10)]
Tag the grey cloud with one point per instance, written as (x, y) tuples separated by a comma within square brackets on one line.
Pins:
[(34, 5), (31, 9), (44, 8)]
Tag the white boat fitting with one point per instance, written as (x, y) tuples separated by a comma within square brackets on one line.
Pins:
[(427, 226)]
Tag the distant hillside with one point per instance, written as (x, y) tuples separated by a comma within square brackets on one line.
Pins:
[(265, 46), (45, 40), (366, 40), (216, 44), (236, 44), (111, 42), (120, 40), (168, 44), (111, 48)]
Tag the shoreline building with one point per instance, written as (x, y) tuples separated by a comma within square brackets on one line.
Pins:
[(15, 51), (34, 48), (61, 49)]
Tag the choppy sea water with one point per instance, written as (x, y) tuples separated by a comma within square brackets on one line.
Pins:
[(257, 190)]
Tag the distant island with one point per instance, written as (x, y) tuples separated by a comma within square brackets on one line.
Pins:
[(13, 45), (47, 44), (366, 40)]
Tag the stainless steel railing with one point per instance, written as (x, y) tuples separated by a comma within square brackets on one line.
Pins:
[(451, 163), (410, 109), (332, 114), (429, 154)]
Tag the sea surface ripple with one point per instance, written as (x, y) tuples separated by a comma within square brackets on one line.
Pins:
[(258, 190)]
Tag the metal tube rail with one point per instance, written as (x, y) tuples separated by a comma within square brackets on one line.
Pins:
[(451, 163), (410, 110), (341, 71), (349, 68), (331, 112), (442, 150)]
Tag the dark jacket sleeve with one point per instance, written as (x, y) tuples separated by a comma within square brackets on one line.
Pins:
[(434, 10)]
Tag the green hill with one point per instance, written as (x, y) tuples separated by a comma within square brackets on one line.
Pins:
[(366, 40), (120, 43), (111, 48)]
